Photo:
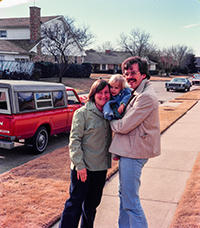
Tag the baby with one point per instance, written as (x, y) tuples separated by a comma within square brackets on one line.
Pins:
[(120, 94)]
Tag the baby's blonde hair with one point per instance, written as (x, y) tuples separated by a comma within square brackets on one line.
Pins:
[(118, 78)]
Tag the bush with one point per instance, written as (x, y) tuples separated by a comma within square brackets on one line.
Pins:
[(183, 70), (109, 71), (153, 72), (78, 71), (49, 70), (46, 69)]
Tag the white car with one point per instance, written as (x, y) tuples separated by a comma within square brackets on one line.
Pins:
[(196, 79)]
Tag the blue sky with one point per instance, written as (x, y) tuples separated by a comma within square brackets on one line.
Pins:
[(169, 22)]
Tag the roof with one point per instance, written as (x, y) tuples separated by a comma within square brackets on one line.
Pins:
[(22, 21), (22, 85), (115, 57), (21, 46)]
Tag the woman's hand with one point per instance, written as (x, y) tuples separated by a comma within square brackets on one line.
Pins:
[(82, 174)]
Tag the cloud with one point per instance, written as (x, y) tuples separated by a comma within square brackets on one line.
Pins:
[(11, 3), (189, 26)]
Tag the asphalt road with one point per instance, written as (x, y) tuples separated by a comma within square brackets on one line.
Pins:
[(21, 154)]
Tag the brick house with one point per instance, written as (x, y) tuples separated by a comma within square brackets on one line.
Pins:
[(111, 61), (20, 38)]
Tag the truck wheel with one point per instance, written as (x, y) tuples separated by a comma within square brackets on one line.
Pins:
[(40, 140), (167, 89)]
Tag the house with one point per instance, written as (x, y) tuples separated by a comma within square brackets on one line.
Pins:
[(108, 61), (197, 63), (152, 65), (21, 39), (111, 61)]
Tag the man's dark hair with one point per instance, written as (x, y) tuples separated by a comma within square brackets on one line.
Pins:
[(142, 64)]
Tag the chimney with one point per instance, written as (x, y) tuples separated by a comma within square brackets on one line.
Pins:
[(35, 29), (107, 51)]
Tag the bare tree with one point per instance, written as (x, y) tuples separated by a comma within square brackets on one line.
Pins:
[(175, 57), (64, 40), (167, 61), (106, 46), (179, 53), (137, 43)]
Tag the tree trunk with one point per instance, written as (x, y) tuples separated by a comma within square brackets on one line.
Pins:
[(60, 76)]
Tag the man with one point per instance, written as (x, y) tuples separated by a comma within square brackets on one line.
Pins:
[(136, 139)]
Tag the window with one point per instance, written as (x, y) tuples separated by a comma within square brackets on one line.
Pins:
[(58, 99), (72, 99), (2, 57), (103, 66), (75, 59), (3, 33), (26, 101), (21, 60), (4, 102), (43, 100)]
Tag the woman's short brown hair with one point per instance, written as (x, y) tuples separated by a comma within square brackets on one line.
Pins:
[(97, 86)]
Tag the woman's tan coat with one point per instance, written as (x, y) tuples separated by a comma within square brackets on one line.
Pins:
[(90, 138)]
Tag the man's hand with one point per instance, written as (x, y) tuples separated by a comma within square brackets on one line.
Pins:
[(82, 174)]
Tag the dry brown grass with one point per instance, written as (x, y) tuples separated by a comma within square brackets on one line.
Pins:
[(33, 195), (169, 115), (82, 85), (188, 211)]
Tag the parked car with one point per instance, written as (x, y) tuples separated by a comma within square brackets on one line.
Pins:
[(196, 79), (178, 84), (32, 111)]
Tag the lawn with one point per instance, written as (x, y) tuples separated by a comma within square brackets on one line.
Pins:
[(82, 85)]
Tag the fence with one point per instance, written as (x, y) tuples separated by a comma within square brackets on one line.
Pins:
[(17, 66)]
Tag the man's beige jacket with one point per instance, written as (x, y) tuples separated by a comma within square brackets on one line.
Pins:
[(137, 134)]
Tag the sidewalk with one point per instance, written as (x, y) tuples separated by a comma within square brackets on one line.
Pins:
[(164, 177)]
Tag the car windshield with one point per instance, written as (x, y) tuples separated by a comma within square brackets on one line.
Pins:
[(178, 80)]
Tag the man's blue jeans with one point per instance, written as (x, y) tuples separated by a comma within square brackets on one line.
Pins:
[(84, 199), (131, 214)]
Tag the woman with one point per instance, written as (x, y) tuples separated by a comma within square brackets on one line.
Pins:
[(90, 138)]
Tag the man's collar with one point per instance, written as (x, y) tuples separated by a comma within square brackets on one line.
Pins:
[(141, 87)]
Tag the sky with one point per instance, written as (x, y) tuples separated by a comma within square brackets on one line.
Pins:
[(169, 22)]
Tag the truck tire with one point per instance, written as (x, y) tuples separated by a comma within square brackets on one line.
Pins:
[(40, 140)]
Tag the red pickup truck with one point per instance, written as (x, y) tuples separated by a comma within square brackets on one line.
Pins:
[(32, 111)]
